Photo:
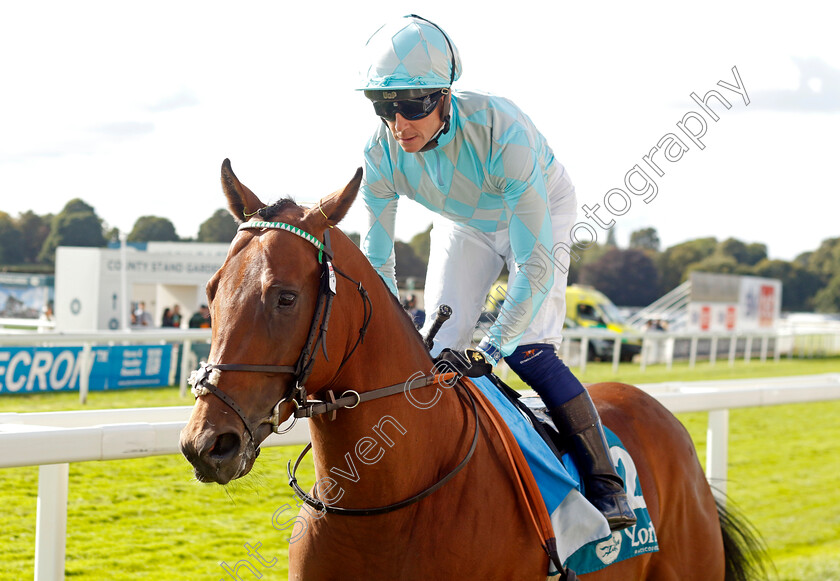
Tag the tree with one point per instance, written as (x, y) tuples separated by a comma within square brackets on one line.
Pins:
[(645, 239), (799, 285), (749, 254), (674, 261), (627, 277), (152, 229), (421, 244), (407, 263), (10, 250), (611, 243), (34, 230), (580, 257), (76, 225), (355, 238), (827, 300), (718, 263), (220, 227), (825, 260)]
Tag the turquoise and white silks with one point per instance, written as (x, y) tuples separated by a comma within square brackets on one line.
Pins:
[(492, 173)]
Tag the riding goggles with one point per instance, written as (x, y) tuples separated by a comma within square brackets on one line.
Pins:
[(411, 109)]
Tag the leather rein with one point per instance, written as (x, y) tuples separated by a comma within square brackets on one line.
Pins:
[(205, 379)]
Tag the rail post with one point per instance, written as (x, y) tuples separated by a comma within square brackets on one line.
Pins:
[(717, 452), (51, 522)]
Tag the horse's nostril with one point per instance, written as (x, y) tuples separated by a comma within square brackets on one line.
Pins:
[(224, 446)]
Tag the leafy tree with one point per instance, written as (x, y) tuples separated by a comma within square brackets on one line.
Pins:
[(112, 234), (355, 237), (674, 261), (825, 260), (220, 227), (152, 229), (34, 230), (421, 244), (756, 252), (76, 225), (611, 239), (827, 300), (407, 263), (10, 250), (583, 256), (799, 285), (749, 254), (627, 277), (803, 259), (645, 239), (718, 263)]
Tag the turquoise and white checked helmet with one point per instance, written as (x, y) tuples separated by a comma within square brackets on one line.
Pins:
[(410, 54)]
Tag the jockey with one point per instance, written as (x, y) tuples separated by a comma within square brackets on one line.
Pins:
[(502, 199)]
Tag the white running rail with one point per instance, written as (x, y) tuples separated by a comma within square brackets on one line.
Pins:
[(53, 439)]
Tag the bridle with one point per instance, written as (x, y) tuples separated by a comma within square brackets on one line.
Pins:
[(205, 380)]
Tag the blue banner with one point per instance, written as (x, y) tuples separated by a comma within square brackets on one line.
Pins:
[(43, 369)]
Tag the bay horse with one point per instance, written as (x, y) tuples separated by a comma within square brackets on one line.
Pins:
[(417, 480)]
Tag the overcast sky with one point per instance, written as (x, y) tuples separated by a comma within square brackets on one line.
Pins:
[(133, 106)]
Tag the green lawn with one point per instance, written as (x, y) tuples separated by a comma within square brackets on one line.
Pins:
[(149, 519)]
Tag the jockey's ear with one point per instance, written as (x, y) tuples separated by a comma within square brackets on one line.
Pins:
[(242, 202), (331, 209)]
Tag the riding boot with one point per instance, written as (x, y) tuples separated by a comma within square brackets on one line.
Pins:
[(578, 421)]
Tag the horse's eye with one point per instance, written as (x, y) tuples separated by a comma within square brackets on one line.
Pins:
[(286, 299)]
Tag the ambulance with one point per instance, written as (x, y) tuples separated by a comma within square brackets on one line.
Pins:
[(589, 308)]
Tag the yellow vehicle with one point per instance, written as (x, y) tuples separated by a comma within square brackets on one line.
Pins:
[(586, 307), (589, 308)]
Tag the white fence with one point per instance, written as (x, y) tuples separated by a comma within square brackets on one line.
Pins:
[(656, 347), (53, 439)]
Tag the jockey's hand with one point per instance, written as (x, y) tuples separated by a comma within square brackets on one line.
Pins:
[(470, 363), (490, 351)]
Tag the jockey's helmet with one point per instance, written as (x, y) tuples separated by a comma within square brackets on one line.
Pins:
[(409, 59)]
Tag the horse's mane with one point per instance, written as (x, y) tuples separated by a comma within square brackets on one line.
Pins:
[(269, 212)]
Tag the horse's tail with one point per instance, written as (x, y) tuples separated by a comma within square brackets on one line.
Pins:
[(744, 551)]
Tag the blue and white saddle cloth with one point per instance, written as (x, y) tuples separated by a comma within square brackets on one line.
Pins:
[(584, 541)]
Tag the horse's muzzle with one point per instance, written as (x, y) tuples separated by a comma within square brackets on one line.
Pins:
[(217, 458)]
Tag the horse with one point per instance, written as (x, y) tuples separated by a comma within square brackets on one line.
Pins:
[(411, 483)]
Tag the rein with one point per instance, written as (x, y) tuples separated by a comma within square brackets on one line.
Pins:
[(205, 380), (321, 506)]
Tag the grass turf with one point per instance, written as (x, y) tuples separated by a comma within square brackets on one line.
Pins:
[(148, 518)]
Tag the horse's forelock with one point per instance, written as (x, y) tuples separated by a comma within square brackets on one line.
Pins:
[(279, 207)]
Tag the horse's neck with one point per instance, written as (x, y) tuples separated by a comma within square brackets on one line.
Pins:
[(379, 451)]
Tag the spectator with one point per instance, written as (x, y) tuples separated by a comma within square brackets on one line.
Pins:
[(177, 318), (142, 317), (201, 319), (418, 315), (167, 320)]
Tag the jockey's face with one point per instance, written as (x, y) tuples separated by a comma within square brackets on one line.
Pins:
[(413, 135)]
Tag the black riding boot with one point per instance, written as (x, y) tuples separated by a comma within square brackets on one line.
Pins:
[(577, 420)]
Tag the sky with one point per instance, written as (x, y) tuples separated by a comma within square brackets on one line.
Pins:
[(132, 107)]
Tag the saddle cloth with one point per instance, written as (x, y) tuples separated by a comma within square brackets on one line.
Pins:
[(584, 541)]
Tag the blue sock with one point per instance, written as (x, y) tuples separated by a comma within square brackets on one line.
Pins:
[(538, 366)]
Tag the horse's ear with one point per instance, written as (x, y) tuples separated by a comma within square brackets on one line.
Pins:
[(331, 209), (241, 200)]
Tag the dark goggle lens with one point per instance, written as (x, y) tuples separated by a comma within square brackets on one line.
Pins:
[(411, 109)]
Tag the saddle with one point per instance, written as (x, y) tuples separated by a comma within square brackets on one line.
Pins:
[(471, 363)]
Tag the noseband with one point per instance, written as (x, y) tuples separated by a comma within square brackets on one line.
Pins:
[(205, 380)]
